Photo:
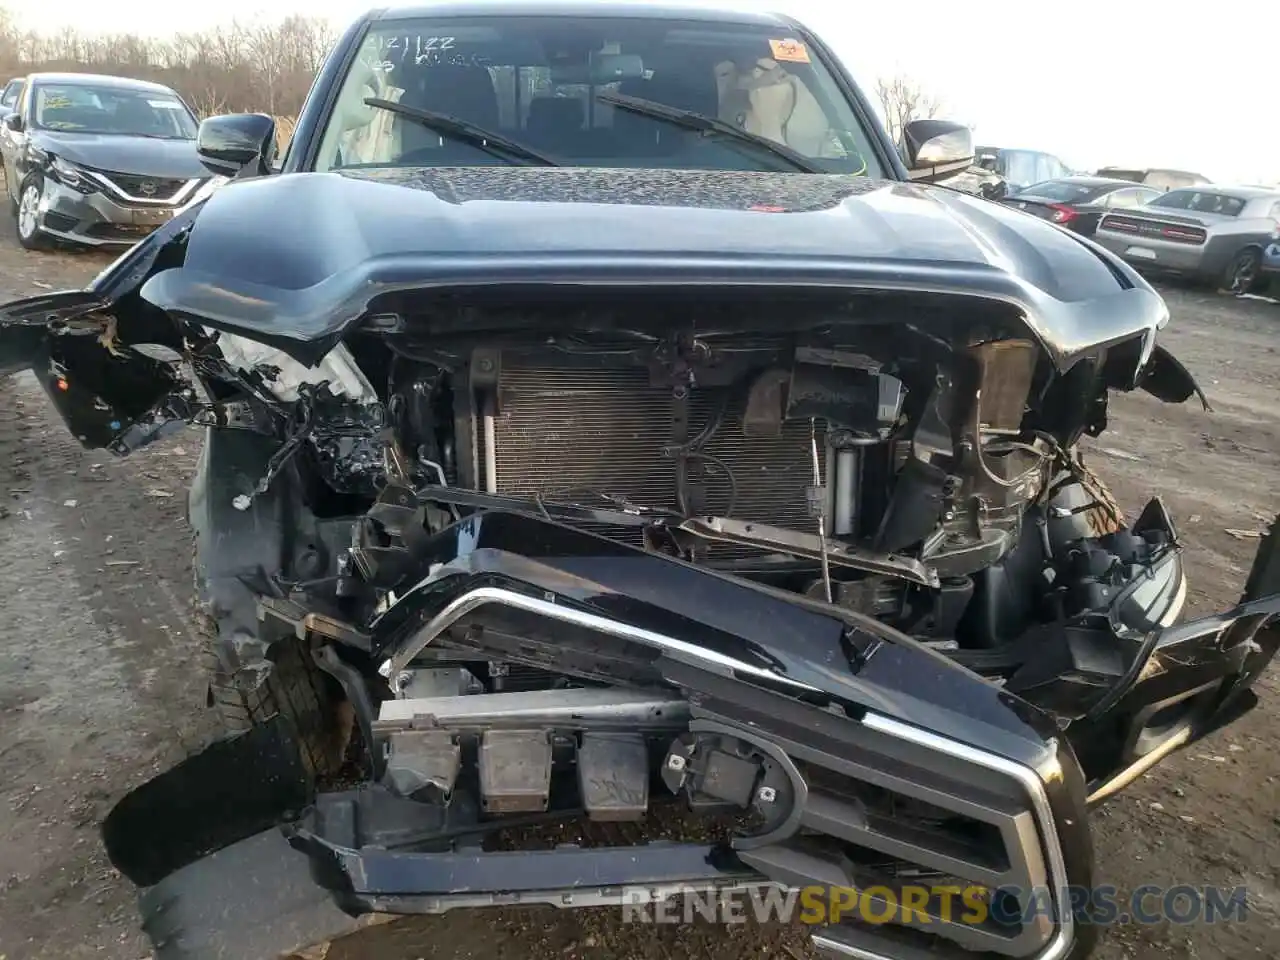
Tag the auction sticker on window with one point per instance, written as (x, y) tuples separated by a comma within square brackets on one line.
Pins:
[(789, 51)]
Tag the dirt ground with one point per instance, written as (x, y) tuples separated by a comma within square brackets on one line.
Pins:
[(98, 681)]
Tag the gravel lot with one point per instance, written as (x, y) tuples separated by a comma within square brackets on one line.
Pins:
[(98, 687)]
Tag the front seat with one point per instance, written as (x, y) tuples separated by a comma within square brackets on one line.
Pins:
[(465, 93), (693, 91), (132, 115), (556, 123)]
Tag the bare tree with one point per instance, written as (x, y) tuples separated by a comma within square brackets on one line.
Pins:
[(262, 66), (904, 100)]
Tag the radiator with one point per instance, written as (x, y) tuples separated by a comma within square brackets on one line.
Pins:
[(565, 429)]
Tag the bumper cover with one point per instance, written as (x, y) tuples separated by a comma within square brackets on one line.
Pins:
[(1156, 254), (96, 219), (848, 700)]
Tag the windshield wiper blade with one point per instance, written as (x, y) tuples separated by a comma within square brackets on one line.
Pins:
[(488, 141), (711, 126)]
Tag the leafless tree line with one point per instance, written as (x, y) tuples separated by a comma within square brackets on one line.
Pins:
[(266, 66), (263, 67)]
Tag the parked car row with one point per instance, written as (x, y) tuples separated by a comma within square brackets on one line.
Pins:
[(1078, 203), (1223, 235), (95, 160), (998, 172)]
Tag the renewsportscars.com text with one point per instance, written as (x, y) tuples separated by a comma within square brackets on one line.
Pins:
[(922, 905)]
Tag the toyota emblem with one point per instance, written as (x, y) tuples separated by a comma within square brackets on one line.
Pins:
[(148, 188)]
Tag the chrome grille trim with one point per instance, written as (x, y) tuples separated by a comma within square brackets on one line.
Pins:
[(1032, 782), (878, 750), (484, 596), (188, 187)]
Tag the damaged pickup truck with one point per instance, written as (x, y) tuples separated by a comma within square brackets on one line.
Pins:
[(624, 473)]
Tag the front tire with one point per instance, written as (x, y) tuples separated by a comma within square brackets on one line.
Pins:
[(28, 218), (295, 688)]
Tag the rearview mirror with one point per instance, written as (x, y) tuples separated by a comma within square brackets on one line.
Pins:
[(601, 69), (936, 148), (237, 144), (13, 121)]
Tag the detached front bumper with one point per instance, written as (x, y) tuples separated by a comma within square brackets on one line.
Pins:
[(1005, 794), (97, 219)]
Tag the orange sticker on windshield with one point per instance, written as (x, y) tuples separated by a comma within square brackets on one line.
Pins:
[(789, 51)]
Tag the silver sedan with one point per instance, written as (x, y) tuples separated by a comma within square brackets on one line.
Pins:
[(1214, 234)]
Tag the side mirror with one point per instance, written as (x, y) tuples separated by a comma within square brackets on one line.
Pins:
[(13, 121), (238, 144), (936, 149)]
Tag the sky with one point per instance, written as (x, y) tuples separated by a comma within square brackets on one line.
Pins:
[(1122, 82)]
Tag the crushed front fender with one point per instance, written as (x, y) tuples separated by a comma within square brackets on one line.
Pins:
[(82, 346), (1193, 677)]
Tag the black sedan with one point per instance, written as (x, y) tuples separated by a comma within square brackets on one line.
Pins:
[(1078, 203)]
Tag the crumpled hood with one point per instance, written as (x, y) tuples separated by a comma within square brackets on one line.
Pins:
[(302, 255), (534, 209), (144, 156)]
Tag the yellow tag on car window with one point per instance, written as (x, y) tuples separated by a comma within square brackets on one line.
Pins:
[(789, 51)]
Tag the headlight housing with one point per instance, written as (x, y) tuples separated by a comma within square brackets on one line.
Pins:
[(68, 174), (206, 190), (338, 368)]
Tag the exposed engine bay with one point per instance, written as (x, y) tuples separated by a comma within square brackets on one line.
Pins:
[(569, 563), (930, 484), (927, 484)]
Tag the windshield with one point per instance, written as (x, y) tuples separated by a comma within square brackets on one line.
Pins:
[(1200, 201), (541, 82), (83, 108), (11, 93), (1029, 166)]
